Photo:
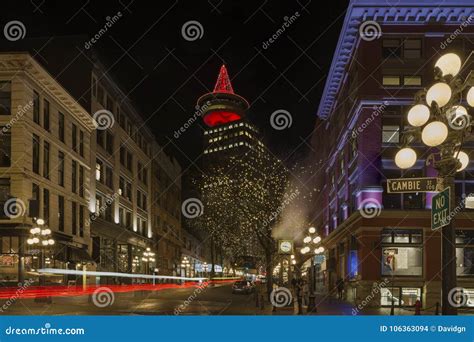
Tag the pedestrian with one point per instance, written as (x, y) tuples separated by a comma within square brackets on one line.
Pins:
[(299, 296), (305, 293), (417, 307), (340, 288)]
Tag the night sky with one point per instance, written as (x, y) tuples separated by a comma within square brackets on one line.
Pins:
[(165, 73)]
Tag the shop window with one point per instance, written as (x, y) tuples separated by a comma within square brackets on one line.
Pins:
[(391, 80), (389, 295), (402, 261), (408, 297)]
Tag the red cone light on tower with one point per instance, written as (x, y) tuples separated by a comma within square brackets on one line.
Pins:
[(222, 106)]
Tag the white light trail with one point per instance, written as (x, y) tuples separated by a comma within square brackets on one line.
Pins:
[(115, 274)]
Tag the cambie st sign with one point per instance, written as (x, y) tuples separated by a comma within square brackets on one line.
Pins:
[(407, 185)]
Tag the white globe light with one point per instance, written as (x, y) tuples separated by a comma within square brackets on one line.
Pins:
[(434, 134), (33, 230), (449, 64), (418, 115), (317, 239), (307, 239), (312, 230), (463, 158), (303, 251), (51, 241), (40, 221), (30, 241), (316, 251), (439, 93), (322, 249), (470, 97), (44, 242), (35, 240), (405, 158)]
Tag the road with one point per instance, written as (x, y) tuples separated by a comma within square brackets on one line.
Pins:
[(212, 300)]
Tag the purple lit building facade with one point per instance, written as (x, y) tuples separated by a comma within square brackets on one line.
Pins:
[(370, 87)]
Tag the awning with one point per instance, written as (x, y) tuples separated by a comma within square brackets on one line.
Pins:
[(78, 255)]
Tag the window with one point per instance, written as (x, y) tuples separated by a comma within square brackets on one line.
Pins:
[(465, 252), (61, 164), (46, 160), (81, 143), (61, 126), (74, 176), (390, 134), (4, 195), (74, 137), (402, 252), (74, 218), (391, 80), (35, 196), (99, 170), (46, 206), (412, 48), (412, 81), (128, 191), (36, 154), (5, 98), (109, 180), (123, 156), (129, 161), (128, 220), (81, 221), (391, 48), (81, 181), (61, 213), (5, 149), (409, 296), (110, 104), (109, 144), (46, 114), (36, 107), (121, 186)]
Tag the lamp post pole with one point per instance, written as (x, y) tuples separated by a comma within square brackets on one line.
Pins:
[(442, 122), (311, 242)]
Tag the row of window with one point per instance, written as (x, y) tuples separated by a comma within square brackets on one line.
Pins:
[(106, 100), (77, 170), (232, 126), (77, 135)]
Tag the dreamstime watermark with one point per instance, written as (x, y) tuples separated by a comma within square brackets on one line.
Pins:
[(191, 298), (197, 114), (281, 297), (288, 22), (366, 301), (285, 202), (103, 297), (14, 30), (46, 330), (14, 208), (21, 288), (378, 110), (192, 208), (458, 118), (281, 119), (370, 208), (192, 30), (370, 30), (102, 208), (103, 119), (21, 111), (111, 20), (457, 297), (444, 44)]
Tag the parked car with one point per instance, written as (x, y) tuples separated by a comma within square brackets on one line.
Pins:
[(242, 286)]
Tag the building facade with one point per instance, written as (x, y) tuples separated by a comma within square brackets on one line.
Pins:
[(118, 161), (373, 237), (46, 163)]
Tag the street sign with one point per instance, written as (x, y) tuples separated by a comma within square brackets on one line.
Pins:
[(440, 209), (407, 185)]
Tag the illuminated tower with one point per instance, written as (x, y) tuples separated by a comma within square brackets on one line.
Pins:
[(224, 113)]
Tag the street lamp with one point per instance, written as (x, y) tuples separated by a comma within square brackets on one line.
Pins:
[(312, 245), (440, 120), (148, 257), (185, 263)]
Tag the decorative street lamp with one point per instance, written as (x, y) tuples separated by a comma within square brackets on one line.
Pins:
[(148, 257), (40, 236), (441, 121), (312, 245), (185, 263), (205, 268)]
